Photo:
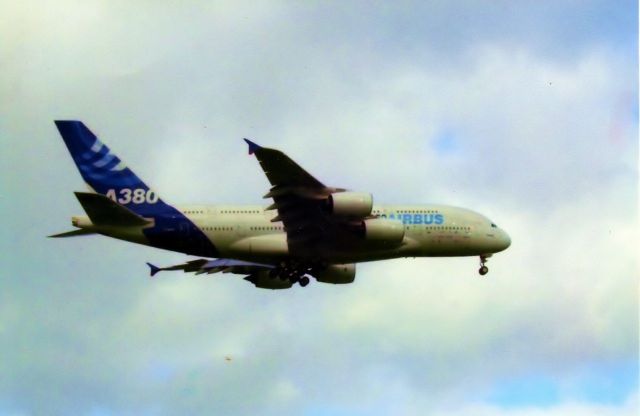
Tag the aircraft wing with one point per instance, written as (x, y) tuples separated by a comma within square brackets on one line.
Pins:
[(202, 266), (281, 170), (260, 274), (299, 199)]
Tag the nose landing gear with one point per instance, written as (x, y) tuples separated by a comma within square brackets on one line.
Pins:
[(483, 269)]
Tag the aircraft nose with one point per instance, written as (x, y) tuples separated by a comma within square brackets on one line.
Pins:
[(505, 240)]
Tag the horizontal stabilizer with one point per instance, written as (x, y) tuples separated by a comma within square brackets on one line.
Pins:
[(73, 233), (104, 211)]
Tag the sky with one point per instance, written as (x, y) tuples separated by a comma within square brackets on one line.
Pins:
[(524, 111)]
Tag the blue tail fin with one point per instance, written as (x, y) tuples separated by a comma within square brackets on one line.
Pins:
[(105, 173)]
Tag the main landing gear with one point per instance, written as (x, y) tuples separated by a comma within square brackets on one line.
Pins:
[(295, 273), (301, 279), (483, 269)]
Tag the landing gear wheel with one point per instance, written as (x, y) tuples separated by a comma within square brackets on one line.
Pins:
[(304, 280), (483, 269), (294, 277)]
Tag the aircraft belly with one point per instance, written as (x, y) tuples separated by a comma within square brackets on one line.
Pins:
[(270, 247), (448, 244), (274, 248), (131, 234)]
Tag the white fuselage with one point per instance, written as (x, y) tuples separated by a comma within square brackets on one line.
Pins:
[(247, 233)]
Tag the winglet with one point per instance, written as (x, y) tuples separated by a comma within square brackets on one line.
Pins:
[(154, 269), (252, 146)]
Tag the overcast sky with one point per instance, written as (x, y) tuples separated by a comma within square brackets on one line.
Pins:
[(525, 111)]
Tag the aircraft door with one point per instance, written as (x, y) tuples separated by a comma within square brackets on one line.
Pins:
[(192, 240), (241, 230)]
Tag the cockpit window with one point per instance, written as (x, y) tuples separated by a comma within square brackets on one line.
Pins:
[(493, 225)]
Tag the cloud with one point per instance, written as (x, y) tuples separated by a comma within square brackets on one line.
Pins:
[(627, 408), (538, 102)]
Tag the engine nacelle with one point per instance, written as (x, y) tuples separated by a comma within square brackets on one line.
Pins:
[(380, 231), (264, 280), (351, 204), (337, 274)]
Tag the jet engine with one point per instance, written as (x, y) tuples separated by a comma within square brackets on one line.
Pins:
[(350, 204), (264, 280), (337, 274), (380, 231)]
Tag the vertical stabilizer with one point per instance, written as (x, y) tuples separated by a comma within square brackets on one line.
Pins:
[(132, 201), (105, 173)]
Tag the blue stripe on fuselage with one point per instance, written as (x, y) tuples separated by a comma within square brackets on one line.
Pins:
[(174, 231), (416, 219)]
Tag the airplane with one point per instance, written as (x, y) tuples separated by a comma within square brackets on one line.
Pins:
[(309, 230)]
